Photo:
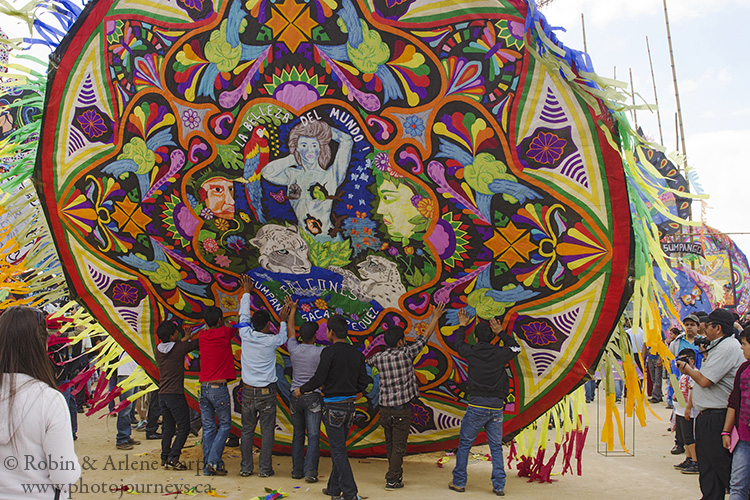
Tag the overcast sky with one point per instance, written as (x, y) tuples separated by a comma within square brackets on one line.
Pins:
[(712, 72)]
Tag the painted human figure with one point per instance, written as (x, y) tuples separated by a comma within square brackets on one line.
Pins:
[(218, 194), (311, 182), (397, 209)]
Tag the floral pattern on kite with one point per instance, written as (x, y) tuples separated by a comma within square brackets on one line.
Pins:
[(360, 159)]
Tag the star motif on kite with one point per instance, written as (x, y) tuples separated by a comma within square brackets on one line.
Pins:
[(511, 245), (291, 23), (129, 217)]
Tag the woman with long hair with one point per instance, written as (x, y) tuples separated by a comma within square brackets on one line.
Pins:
[(36, 440)]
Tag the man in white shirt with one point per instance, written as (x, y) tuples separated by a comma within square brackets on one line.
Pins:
[(259, 380), (713, 383)]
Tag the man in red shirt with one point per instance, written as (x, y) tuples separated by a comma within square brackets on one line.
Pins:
[(217, 368)]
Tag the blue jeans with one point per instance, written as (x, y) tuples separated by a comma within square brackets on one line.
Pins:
[(123, 418), (739, 484), (70, 399), (338, 419), (307, 413), (619, 386), (258, 405), (590, 388), (215, 406), (474, 420)]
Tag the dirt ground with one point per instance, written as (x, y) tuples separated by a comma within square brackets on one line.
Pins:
[(646, 475)]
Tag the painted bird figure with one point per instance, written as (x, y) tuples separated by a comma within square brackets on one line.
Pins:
[(256, 156)]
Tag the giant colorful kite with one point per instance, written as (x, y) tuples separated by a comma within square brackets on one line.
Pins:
[(367, 158)]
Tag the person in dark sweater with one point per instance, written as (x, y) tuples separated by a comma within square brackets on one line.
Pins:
[(488, 390), (342, 375), (170, 358)]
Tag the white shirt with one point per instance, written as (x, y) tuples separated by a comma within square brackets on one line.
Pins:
[(38, 428), (258, 350)]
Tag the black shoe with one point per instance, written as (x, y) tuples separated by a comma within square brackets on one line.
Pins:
[(684, 464), (246, 473), (326, 492), (75, 436), (311, 479), (394, 485), (176, 465), (266, 474), (691, 469), (155, 435), (297, 476), (500, 493), (232, 442), (164, 463), (216, 471), (677, 450)]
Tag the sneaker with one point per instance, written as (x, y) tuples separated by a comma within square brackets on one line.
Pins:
[(328, 493), (691, 469), (154, 435), (176, 465), (124, 446), (232, 441), (684, 464), (670, 406), (141, 426), (311, 479), (500, 493), (394, 485), (133, 441), (453, 487), (216, 471), (677, 450), (266, 474), (297, 476), (164, 463), (246, 473)]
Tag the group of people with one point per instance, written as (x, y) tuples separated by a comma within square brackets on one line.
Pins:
[(712, 415), (326, 381)]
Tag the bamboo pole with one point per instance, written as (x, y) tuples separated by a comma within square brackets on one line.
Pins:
[(656, 98), (676, 89), (583, 28), (632, 96)]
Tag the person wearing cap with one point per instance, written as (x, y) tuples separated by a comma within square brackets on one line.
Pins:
[(687, 340), (713, 384)]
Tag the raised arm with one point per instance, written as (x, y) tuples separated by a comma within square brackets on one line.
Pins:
[(284, 314), (436, 315), (460, 343), (276, 171), (247, 287), (343, 155), (508, 340), (291, 328)]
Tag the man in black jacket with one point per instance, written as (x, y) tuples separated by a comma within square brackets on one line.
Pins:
[(343, 375), (488, 389)]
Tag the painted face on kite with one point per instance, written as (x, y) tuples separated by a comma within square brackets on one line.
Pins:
[(366, 158), (397, 209), (309, 150), (220, 197)]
